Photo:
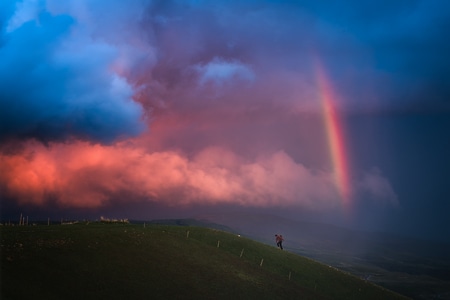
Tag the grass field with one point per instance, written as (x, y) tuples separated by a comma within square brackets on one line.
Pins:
[(119, 261)]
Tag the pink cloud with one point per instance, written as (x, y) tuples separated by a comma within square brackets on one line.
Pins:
[(85, 175)]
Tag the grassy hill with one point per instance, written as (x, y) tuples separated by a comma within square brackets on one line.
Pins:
[(118, 261), (419, 269)]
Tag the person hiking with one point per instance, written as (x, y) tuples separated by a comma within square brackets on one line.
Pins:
[(279, 240)]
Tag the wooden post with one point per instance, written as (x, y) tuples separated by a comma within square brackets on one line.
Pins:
[(262, 260), (242, 252), (218, 244), (48, 222), (187, 234), (144, 224)]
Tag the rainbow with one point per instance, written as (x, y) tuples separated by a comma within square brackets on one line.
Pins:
[(335, 136)]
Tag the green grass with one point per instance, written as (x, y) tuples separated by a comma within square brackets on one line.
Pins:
[(119, 261)]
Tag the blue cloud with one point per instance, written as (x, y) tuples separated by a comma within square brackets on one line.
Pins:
[(57, 82)]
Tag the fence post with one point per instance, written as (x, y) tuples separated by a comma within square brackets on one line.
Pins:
[(218, 244), (242, 252), (262, 260)]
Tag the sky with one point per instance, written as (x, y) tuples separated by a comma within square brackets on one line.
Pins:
[(158, 109)]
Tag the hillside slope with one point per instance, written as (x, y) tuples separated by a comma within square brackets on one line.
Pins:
[(162, 262), (419, 269)]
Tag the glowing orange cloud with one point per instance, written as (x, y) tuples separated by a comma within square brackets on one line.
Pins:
[(85, 175)]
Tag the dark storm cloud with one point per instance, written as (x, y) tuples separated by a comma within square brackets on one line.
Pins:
[(62, 72), (380, 55), (57, 82)]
